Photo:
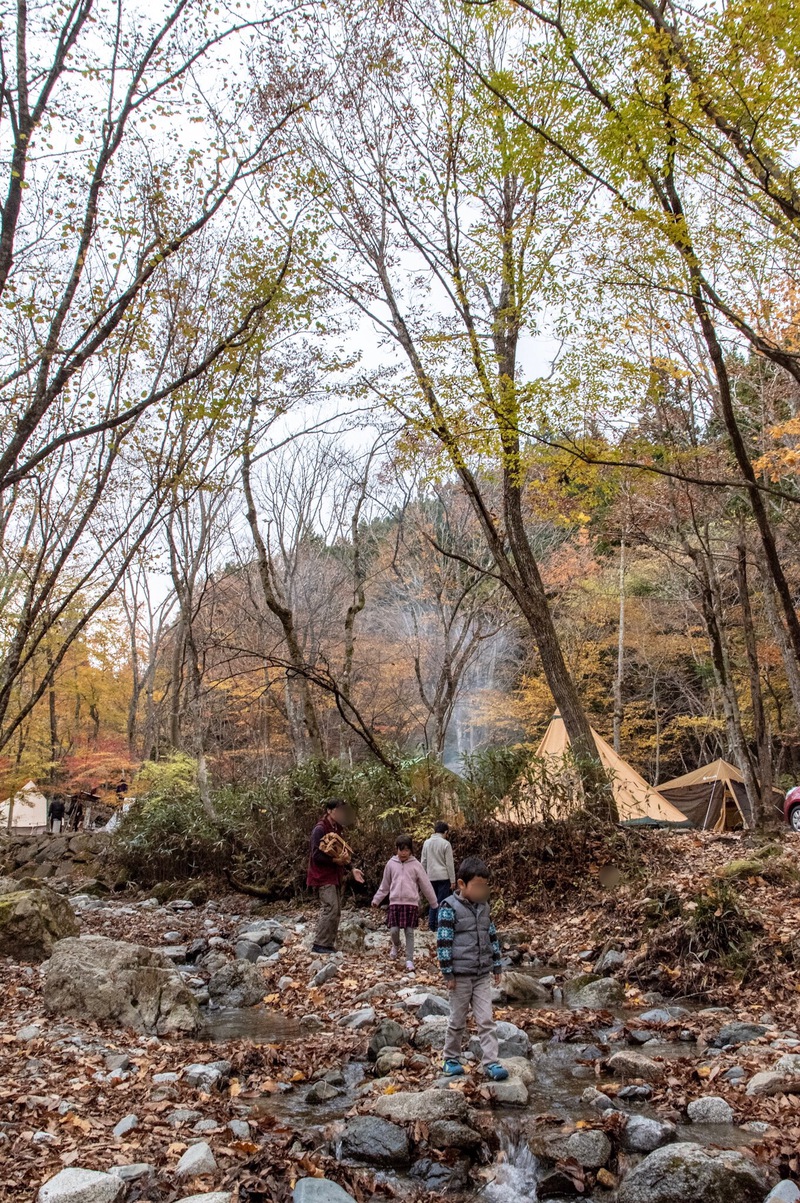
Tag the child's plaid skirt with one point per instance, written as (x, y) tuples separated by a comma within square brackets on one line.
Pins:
[(402, 916)]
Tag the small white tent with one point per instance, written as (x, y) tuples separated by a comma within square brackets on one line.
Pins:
[(28, 810)]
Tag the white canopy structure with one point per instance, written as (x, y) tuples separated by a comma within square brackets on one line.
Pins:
[(27, 810)]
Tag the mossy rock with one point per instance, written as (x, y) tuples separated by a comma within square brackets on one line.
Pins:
[(32, 922)]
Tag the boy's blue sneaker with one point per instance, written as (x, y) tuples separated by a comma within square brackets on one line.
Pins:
[(496, 1072), (454, 1069)]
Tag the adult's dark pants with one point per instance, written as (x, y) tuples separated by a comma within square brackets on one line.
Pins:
[(442, 889)]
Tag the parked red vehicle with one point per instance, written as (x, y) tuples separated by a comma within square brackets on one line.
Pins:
[(791, 808)]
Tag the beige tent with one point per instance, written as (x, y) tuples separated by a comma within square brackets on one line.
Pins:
[(28, 810), (713, 796), (636, 800)]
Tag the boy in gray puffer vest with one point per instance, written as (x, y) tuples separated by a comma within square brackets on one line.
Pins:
[(469, 952)]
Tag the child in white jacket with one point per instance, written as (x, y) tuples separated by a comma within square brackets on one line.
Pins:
[(403, 878)]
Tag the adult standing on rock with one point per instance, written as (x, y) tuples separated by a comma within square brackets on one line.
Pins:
[(329, 860)]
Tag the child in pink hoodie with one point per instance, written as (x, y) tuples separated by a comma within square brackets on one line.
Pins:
[(403, 878)]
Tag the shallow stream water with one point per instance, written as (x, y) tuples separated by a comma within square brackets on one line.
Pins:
[(563, 1071)]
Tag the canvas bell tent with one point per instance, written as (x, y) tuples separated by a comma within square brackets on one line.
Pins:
[(712, 796), (27, 810), (637, 802)]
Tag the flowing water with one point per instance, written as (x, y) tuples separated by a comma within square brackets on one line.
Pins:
[(515, 1170)]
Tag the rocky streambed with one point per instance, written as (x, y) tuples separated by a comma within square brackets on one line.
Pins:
[(165, 1051)]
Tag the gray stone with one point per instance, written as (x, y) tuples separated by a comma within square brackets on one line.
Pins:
[(30, 1032), (325, 974), (734, 1074), (388, 1034), (431, 1032), (635, 1094), (32, 922), (452, 1134), (321, 1092), (117, 1061), (610, 961), (359, 1019), (173, 937), (319, 1190), (768, 1082), (511, 1093), (239, 1128), (589, 1147), (788, 1064), (627, 1064), (523, 987), (75, 1185), (378, 1141), (214, 1196), (642, 1134), (125, 1125), (595, 1098), (244, 950), (433, 1005), (351, 937), (425, 1105), (739, 1033), (119, 983), (594, 993), (710, 1110), (389, 1060), (205, 1125), (688, 1173), (163, 1078), (198, 1159), (207, 1074), (133, 1171), (237, 984), (183, 1115), (785, 1192)]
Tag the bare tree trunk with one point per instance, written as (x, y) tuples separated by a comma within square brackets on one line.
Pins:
[(712, 612), (176, 675), (778, 628), (282, 611), (618, 713), (756, 696)]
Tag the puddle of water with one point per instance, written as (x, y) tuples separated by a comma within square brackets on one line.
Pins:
[(293, 1106), (258, 1024)]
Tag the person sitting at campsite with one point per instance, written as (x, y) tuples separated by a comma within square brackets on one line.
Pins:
[(403, 878), (469, 951), (437, 861)]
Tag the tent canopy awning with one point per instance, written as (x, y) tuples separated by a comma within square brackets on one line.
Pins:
[(636, 800)]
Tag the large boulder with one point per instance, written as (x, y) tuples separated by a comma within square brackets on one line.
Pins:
[(237, 984), (378, 1141), (118, 983), (593, 992), (689, 1173), (32, 922)]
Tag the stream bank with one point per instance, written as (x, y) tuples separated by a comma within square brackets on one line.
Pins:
[(276, 1083)]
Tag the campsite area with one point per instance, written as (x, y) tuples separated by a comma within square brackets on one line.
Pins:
[(400, 601)]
